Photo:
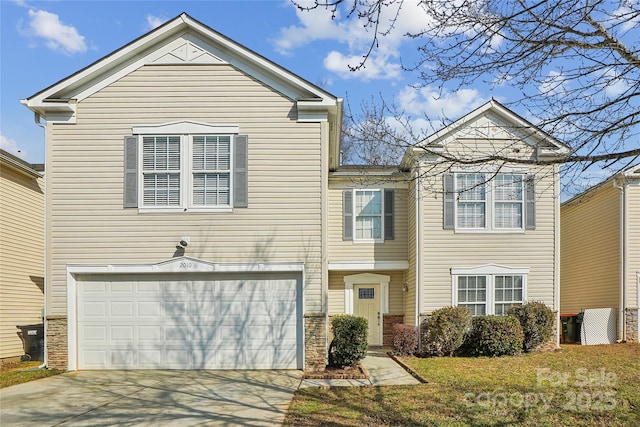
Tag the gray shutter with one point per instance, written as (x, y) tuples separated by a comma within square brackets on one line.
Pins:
[(347, 215), (240, 173), (449, 220), (530, 203), (388, 215), (130, 172)]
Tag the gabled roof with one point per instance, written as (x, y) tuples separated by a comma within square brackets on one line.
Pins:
[(9, 160), (182, 39), (545, 143)]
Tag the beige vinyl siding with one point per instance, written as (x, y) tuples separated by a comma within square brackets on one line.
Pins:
[(21, 256), (336, 290), (633, 245), (533, 249), (590, 261), (281, 224), (389, 250)]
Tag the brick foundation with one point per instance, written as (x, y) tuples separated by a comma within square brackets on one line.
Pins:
[(552, 344), (56, 330), (315, 341), (632, 324), (388, 321)]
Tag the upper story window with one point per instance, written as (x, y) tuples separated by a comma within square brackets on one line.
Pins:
[(182, 172), (368, 215), (478, 201)]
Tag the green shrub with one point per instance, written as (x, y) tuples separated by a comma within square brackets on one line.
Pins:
[(537, 322), (349, 343), (443, 333), (405, 339), (494, 336)]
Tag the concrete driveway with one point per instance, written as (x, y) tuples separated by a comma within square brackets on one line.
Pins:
[(140, 398)]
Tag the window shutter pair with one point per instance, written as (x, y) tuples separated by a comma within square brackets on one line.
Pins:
[(347, 214), (240, 172), (449, 220)]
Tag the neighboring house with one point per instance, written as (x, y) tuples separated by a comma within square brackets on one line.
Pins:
[(437, 234), (199, 217), (601, 251), (21, 250)]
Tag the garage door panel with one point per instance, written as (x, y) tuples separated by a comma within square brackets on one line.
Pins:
[(146, 322)]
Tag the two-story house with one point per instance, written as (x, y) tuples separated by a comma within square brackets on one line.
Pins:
[(198, 217)]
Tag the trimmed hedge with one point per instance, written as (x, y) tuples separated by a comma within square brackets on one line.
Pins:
[(350, 340), (537, 322), (494, 336), (444, 332), (405, 339)]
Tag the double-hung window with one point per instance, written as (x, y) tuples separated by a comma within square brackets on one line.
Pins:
[(482, 201), (368, 215), (185, 166), (211, 168), (489, 289)]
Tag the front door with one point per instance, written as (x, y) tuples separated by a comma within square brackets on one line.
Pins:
[(367, 304)]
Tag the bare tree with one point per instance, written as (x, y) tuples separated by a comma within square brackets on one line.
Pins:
[(575, 63)]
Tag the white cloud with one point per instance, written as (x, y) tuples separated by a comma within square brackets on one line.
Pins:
[(376, 67), (356, 37), (154, 21), (10, 146), (553, 85), (434, 104), (58, 36)]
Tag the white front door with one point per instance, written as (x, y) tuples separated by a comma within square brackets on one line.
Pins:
[(367, 304)]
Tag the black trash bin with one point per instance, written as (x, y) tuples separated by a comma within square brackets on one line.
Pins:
[(33, 341)]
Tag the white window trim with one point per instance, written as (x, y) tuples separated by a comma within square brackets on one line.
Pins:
[(366, 279), (355, 216), (490, 271), (185, 130), (489, 213)]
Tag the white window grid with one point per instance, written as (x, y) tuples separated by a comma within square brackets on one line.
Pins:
[(499, 292), (485, 203), (368, 215)]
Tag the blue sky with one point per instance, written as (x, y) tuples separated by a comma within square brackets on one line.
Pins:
[(45, 41)]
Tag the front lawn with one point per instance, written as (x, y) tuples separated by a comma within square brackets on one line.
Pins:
[(22, 372), (577, 386)]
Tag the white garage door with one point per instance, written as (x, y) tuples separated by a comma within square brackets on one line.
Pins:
[(189, 322)]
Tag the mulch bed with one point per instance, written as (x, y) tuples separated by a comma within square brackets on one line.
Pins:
[(347, 373)]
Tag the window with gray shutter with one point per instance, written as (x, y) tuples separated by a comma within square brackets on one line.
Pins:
[(448, 221), (130, 172), (347, 215), (530, 215), (240, 172), (388, 215)]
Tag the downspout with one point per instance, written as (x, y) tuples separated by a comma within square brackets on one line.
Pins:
[(36, 118), (622, 330), (418, 221), (558, 254)]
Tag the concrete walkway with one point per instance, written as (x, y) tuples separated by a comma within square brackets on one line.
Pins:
[(382, 370)]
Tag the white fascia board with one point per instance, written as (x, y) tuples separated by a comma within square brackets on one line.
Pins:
[(494, 107), (367, 265), (139, 52)]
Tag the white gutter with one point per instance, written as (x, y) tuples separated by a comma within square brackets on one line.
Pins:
[(36, 118), (557, 254), (622, 330), (418, 221)]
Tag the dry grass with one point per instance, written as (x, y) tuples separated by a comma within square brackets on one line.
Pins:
[(578, 386), (21, 372)]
